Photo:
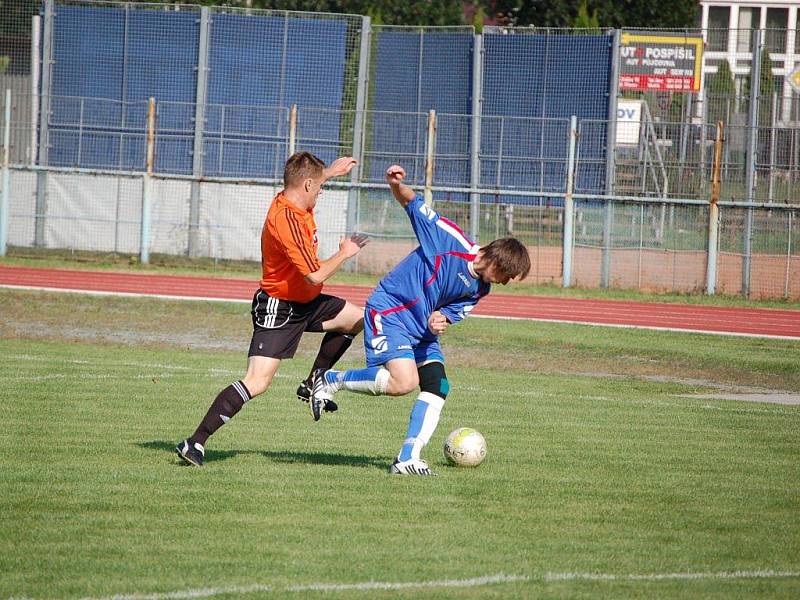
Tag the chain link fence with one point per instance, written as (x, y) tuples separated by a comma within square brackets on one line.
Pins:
[(481, 122)]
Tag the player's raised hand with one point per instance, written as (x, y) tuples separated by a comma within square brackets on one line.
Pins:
[(352, 245), (341, 166), (395, 174)]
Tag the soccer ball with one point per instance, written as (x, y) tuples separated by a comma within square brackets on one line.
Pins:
[(465, 447)]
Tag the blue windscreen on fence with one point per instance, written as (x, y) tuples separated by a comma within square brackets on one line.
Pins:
[(417, 71), (258, 65), (113, 59), (109, 61), (533, 83)]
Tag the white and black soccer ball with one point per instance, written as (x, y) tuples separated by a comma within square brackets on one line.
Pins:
[(465, 447)]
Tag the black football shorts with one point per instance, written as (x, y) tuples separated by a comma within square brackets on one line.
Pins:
[(279, 324)]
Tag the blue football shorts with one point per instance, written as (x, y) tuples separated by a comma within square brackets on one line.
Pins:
[(386, 338)]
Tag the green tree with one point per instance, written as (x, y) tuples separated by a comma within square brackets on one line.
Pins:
[(388, 12), (645, 14), (720, 93), (765, 89), (584, 21)]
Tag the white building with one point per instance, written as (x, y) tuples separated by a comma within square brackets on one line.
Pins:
[(727, 27)]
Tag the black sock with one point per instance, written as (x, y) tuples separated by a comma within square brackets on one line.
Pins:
[(227, 403), (333, 346)]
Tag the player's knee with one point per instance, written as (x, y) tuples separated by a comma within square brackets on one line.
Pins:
[(401, 383), (432, 379), (351, 319), (357, 327), (257, 383)]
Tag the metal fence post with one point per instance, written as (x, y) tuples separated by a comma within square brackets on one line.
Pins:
[(198, 151), (36, 37), (358, 123), (5, 199), (147, 185), (569, 205), (713, 214), (44, 121), (430, 152), (475, 138), (752, 152), (773, 126), (787, 274), (611, 147), (292, 130)]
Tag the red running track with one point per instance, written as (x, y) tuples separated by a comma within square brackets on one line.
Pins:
[(650, 315)]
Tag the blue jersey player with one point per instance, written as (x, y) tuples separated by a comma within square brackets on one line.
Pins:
[(438, 284)]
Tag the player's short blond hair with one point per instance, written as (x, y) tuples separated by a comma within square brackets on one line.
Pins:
[(302, 166), (509, 255)]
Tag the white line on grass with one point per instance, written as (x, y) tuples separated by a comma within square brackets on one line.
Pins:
[(200, 593), (122, 294), (763, 574), (111, 363), (733, 409), (794, 338), (385, 585), (448, 583)]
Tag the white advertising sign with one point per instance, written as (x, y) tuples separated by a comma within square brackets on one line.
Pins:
[(629, 121)]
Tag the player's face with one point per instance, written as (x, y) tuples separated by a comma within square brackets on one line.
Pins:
[(493, 274)]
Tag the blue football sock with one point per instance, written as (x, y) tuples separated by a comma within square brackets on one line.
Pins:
[(370, 380), (421, 424)]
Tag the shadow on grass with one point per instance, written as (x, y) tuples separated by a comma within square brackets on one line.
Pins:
[(282, 456)]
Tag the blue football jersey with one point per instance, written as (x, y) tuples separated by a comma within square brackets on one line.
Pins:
[(435, 276)]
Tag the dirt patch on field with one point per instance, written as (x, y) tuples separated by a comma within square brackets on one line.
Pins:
[(225, 326), (785, 398), (725, 391)]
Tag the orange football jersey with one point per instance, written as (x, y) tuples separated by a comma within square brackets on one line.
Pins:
[(289, 252)]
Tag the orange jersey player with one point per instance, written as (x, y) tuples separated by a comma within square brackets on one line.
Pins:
[(289, 300)]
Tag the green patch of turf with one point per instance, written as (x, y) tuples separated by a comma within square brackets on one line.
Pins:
[(607, 476)]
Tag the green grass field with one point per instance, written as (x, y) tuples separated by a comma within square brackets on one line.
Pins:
[(603, 479)]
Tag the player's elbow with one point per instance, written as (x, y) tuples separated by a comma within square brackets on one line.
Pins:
[(314, 278)]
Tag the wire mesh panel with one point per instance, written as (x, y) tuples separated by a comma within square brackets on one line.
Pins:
[(83, 212), (270, 60), (590, 167), (415, 70), (653, 247), (394, 141), (124, 53), (451, 167), (22, 138), (245, 141), (22, 209), (536, 222), (524, 153), (776, 166), (109, 57), (774, 259), (315, 132), (528, 73)]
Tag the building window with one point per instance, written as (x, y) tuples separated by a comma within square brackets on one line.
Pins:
[(718, 23), (749, 19), (777, 22), (797, 37)]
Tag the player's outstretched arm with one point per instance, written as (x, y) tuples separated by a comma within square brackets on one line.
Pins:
[(348, 248), (341, 166), (401, 192)]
